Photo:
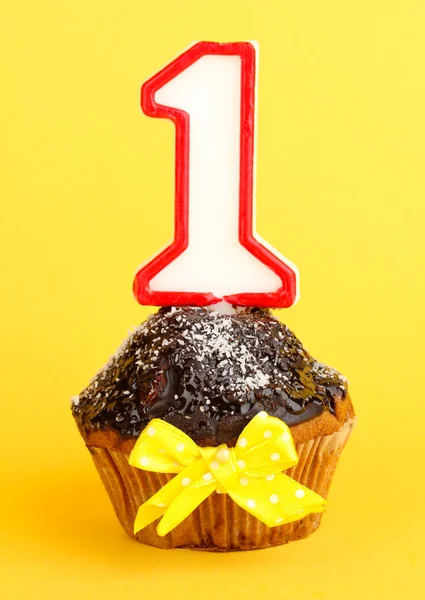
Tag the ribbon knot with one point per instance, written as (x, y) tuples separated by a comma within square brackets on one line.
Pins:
[(221, 463), (251, 473)]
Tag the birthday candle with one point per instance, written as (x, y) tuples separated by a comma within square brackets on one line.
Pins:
[(209, 92)]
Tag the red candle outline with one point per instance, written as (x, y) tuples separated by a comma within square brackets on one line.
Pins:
[(285, 296)]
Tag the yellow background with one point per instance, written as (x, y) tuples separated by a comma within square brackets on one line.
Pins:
[(87, 186)]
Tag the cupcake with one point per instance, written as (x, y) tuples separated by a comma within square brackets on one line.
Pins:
[(209, 375)]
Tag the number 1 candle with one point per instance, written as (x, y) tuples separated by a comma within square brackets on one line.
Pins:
[(209, 93)]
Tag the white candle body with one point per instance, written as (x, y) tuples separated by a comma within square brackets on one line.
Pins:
[(210, 92)]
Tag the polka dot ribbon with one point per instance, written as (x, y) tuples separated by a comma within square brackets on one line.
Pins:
[(251, 473)]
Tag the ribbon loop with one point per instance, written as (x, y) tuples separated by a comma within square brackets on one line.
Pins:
[(163, 448), (266, 446)]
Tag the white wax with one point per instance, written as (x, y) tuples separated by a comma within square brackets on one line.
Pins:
[(210, 92), (215, 261)]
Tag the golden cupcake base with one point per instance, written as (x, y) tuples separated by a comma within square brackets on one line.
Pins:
[(219, 524)]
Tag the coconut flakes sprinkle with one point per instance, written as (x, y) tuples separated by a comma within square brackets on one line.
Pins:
[(200, 369)]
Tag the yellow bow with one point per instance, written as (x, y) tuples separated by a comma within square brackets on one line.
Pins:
[(251, 473)]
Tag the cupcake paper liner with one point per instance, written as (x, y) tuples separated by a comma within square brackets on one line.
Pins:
[(219, 524)]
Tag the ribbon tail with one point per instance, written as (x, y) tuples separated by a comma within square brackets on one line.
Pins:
[(149, 512), (300, 500), (189, 489), (158, 504), (185, 503), (176, 499), (276, 501)]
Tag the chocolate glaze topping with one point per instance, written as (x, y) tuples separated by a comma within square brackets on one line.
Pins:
[(208, 374)]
